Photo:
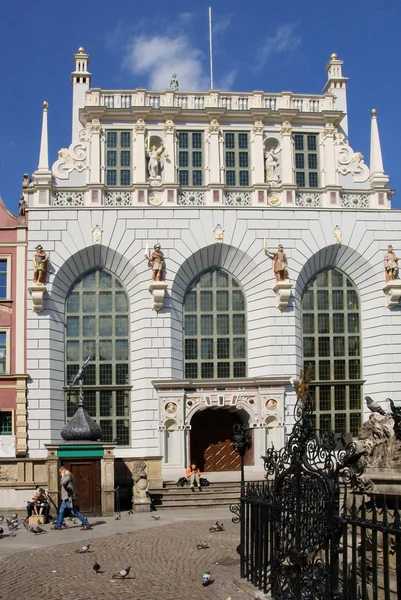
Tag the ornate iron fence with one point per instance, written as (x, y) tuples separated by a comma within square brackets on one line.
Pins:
[(312, 530)]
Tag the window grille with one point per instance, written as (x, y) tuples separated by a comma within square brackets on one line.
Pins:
[(332, 344)]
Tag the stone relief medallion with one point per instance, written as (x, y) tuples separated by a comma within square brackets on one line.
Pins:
[(170, 408), (273, 200), (271, 404), (155, 199)]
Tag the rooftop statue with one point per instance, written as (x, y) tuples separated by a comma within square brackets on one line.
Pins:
[(174, 85)]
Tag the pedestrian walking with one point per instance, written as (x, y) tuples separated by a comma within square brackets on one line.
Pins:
[(67, 500)]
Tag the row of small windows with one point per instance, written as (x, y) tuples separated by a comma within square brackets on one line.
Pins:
[(190, 159), (214, 344)]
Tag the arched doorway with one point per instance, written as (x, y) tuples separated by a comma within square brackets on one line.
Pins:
[(210, 441)]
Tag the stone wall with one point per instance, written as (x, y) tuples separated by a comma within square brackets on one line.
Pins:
[(187, 239)]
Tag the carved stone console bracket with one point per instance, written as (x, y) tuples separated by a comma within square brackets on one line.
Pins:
[(37, 292), (158, 290), (392, 289), (283, 292)]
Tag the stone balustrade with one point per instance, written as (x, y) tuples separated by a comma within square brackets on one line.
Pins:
[(115, 99)]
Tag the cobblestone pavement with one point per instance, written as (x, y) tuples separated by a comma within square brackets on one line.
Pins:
[(165, 565)]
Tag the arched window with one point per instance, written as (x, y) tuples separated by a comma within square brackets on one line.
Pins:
[(214, 327), (97, 325), (332, 344)]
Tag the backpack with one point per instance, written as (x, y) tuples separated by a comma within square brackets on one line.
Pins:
[(182, 481), (204, 482)]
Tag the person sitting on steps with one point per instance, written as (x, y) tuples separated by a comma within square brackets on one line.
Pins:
[(193, 476)]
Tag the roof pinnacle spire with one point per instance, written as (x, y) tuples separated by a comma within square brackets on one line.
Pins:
[(377, 175), (44, 142)]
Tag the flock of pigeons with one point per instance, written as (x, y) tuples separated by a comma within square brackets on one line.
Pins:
[(123, 574), (13, 524), (375, 407)]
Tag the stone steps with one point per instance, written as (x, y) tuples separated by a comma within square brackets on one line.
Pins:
[(214, 495)]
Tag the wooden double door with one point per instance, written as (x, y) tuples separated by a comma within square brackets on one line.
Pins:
[(210, 441), (87, 485)]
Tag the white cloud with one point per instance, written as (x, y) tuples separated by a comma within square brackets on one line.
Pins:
[(283, 41), (226, 82), (159, 56), (220, 26)]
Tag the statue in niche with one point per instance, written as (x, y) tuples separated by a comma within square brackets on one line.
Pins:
[(391, 264), (40, 262), (279, 261), (271, 164), (174, 85), (156, 262), (155, 164)]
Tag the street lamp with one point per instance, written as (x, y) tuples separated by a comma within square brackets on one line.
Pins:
[(241, 442)]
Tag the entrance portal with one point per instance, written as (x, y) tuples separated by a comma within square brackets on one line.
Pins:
[(210, 441)]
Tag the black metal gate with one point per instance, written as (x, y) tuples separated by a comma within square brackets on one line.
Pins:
[(303, 535)]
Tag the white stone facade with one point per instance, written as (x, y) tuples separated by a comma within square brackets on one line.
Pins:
[(84, 224)]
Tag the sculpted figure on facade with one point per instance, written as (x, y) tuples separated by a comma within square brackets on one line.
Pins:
[(279, 261), (97, 234), (22, 207), (271, 164), (155, 161), (40, 263), (391, 264), (174, 85), (156, 262)]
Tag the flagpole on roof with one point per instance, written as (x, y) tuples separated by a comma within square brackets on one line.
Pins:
[(210, 47)]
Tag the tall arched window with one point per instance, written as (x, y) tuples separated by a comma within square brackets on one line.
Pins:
[(214, 327), (332, 344), (97, 325)]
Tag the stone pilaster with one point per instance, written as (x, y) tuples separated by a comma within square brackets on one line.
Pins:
[(257, 154), (170, 153), (214, 151), (21, 425), (94, 173), (139, 152), (107, 481), (287, 155)]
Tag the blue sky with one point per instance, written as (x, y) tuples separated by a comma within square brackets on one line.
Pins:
[(270, 46)]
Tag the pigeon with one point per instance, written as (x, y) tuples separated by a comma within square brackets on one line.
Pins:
[(217, 527), (14, 517), (130, 512), (122, 574), (1, 531), (37, 530), (12, 524), (155, 518), (117, 517), (374, 407), (206, 578), (83, 549), (1, 518), (96, 567), (202, 546)]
